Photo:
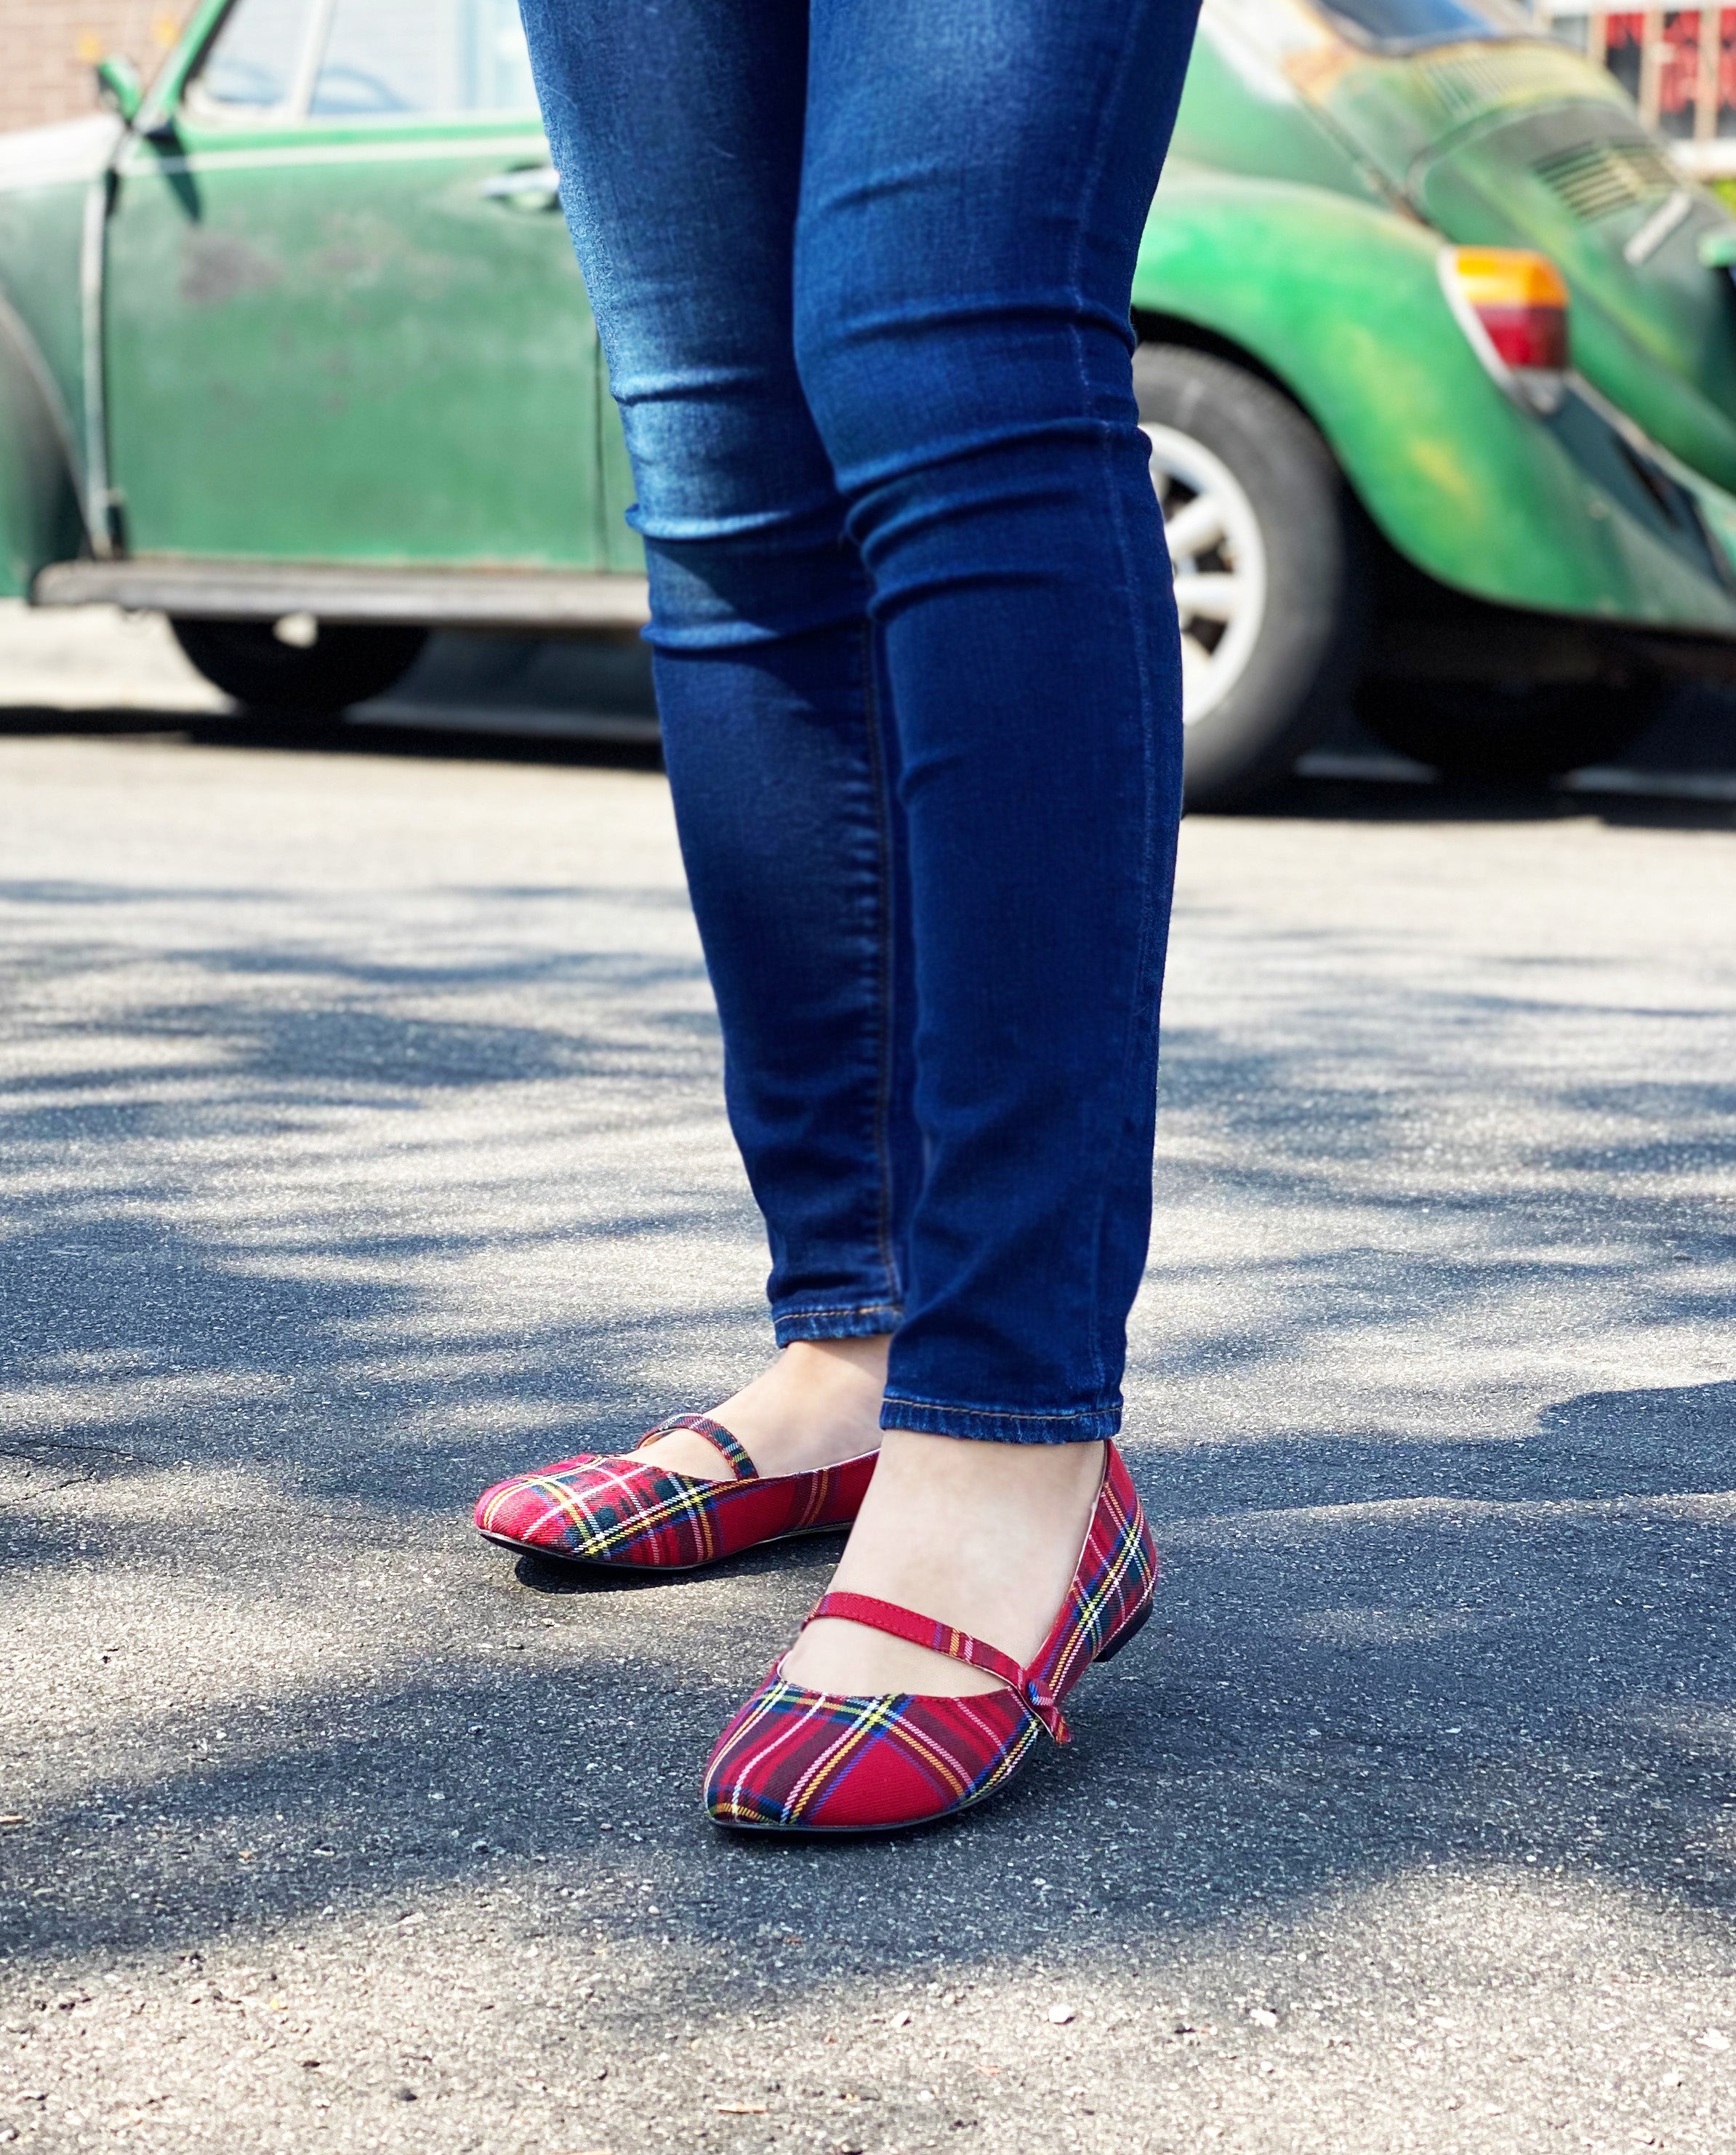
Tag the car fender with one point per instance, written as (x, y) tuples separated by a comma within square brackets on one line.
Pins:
[(40, 520), (1341, 302)]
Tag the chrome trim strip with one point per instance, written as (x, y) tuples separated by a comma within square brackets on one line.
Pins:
[(310, 58), (545, 599), (451, 150), (93, 244), (1657, 228)]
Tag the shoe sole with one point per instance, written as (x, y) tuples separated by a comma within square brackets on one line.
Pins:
[(1125, 1637), (653, 1570)]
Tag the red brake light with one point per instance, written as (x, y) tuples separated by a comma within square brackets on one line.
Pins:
[(1527, 336), (1513, 305)]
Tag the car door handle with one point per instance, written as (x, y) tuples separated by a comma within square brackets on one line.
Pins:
[(531, 187)]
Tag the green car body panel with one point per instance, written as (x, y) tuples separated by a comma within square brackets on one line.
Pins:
[(39, 518), (352, 342), (46, 177), (405, 369)]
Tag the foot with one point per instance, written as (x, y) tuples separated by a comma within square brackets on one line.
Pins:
[(986, 1537), (817, 1404)]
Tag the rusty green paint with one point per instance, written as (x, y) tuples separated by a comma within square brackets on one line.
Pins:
[(329, 342)]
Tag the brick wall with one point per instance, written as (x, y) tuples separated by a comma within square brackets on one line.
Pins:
[(48, 48)]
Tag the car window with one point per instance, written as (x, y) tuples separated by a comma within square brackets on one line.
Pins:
[(386, 57), (1403, 25), (252, 63)]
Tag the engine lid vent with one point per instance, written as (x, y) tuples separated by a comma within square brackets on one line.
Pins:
[(1596, 178)]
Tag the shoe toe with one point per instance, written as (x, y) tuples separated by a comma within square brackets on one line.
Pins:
[(795, 1761), (568, 1509), (622, 1511)]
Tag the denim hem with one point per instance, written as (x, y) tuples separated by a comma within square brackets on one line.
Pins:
[(861, 1320), (995, 1425)]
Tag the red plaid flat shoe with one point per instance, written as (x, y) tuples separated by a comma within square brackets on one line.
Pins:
[(796, 1761), (631, 1512)]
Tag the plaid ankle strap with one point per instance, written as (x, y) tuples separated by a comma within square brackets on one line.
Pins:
[(714, 1433), (942, 1639)]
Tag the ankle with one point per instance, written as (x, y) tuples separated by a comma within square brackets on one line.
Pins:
[(820, 1364), (927, 1472), (817, 1405)]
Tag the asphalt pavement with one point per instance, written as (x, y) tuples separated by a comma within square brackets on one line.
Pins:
[(360, 1141)]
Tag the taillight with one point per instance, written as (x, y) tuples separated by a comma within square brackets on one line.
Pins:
[(1513, 305)]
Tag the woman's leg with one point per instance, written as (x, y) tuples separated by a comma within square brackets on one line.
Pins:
[(678, 131), (976, 177)]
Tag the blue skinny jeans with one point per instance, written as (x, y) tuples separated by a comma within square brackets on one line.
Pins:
[(862, 271)]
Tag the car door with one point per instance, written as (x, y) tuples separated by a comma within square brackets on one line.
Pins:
[(341, 318)]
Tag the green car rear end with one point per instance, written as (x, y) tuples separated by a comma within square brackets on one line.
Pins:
[(1509, 575)]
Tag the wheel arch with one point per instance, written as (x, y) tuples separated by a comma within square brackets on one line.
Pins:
[(1272, 604), (1153, 326)]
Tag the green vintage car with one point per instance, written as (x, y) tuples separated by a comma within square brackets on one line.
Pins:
[(1437, 358)]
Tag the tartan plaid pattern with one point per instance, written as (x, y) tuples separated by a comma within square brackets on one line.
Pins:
[(596, 1509), (795, 1761)]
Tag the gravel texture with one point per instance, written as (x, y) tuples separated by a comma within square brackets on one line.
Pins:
[(360, 1141)]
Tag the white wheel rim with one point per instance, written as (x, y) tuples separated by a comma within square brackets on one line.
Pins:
[(1218, 561)]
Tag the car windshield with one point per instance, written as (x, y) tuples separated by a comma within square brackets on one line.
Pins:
[(1401, 26)]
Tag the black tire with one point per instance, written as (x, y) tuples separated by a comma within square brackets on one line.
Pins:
[(1307, 649), (1489, 732), (345, 663)]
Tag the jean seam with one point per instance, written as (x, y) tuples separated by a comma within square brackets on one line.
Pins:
[(882, 1002), (1110, 1153)]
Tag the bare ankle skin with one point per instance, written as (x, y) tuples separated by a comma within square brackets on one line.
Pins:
[(817, 1404), (986, 1537)]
